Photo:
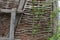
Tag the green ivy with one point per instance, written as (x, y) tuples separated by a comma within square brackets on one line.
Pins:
[(34, 1), (41, 11), (34, 31), (53, 14), (52, 38)]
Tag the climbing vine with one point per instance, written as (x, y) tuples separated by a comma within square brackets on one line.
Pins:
[(36, 12), (39, 11)]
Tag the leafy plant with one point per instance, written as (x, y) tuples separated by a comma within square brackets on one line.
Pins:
[(34, 31), (38, 11), (52, 38)]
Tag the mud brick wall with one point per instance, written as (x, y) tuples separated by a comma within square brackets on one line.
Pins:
[(4, 24)]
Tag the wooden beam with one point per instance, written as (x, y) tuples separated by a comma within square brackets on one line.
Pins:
[(12, 24), (6, 10), (9, 11), (4, 38), (21, 5)]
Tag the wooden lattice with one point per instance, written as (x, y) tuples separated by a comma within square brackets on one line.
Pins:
[(24, 29), (26, 22)]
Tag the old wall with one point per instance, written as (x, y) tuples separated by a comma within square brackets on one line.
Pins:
[(25, 22)]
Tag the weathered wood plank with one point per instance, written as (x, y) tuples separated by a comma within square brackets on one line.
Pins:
[(21, 4), (9, 11), (6, 10), (12, 24)]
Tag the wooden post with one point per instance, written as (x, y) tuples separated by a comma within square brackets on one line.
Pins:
[(12, 24)]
